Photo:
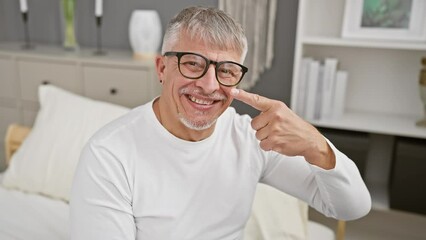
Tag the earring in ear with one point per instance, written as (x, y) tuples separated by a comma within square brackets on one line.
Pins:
[(161, 81)]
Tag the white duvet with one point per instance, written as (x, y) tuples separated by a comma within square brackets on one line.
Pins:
[(26, 216), (31, 217)]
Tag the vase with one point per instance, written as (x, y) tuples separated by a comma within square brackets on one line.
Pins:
[(145, 33), (68, 11), (422, 90)]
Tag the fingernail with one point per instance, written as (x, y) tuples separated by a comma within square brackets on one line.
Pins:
[(234, 92)]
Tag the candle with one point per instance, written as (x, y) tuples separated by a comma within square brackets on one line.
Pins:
[(98, 8), (24, 6)]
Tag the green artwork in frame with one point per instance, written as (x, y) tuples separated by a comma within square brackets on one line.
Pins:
[(386, 13), (394, 20)]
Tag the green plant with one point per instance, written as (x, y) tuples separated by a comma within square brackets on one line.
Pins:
[(68, 8)]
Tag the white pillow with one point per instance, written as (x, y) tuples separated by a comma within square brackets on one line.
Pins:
[(46, 161), (276, 215)]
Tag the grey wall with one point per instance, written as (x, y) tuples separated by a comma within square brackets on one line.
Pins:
[(45, 28), (276, 82), (45, 19)]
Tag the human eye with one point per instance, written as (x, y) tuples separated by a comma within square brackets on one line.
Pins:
[(193, 63), (229, 70)]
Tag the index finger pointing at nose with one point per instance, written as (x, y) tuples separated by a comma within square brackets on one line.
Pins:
[(260, 103)]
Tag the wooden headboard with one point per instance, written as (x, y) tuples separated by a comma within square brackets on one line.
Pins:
[(15, 135)]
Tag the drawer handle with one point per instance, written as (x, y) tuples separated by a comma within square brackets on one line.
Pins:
[(45, 82), (113, 91)]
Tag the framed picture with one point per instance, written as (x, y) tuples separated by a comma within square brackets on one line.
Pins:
[(385, 19)]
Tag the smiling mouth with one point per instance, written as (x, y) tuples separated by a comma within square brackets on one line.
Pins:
[(201, 101)]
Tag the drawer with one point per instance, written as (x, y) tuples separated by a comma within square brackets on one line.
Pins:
[(125, 86), (34, 73), (29, 117), (8, 81), (354, 144), (407, 190), (7, 117)]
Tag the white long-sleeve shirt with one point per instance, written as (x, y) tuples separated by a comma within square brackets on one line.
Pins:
[(135, 180)]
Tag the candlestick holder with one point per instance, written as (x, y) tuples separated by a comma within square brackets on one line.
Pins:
[(99, 50), (27, 44)]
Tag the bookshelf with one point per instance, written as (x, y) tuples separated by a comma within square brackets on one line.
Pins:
[(382, 95)]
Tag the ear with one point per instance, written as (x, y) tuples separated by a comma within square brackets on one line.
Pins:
[(160, 66)]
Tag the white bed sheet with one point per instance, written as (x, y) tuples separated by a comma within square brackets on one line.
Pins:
[(26, 216)]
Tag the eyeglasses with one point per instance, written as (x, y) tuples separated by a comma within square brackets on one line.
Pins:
[(195, 66)]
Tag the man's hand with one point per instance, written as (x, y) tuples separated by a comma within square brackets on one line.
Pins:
[(279, 129)]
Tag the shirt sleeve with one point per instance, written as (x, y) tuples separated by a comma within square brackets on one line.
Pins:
[(339, 192), (101, 203)]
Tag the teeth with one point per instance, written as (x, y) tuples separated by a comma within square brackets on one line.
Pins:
[(199, 101)]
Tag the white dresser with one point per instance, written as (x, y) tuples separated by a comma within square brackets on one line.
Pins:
[(115, 77)]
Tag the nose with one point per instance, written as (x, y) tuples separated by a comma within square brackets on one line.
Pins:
[(208, 82)]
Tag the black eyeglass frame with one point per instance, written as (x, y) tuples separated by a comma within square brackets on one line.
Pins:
[(208, 61)]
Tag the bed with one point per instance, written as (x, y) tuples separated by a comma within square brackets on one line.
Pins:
[(31, 216), (34, 190)]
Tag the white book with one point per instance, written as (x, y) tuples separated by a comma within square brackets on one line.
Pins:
[(302, 87), (312, 89), (328, 84), (319, 94), (340, 94)]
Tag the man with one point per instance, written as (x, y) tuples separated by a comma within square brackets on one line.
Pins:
[(186, 165)]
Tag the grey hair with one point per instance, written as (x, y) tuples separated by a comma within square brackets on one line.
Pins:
[(211, 25)]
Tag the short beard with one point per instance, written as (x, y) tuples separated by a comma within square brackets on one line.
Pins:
[(198, 126)]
